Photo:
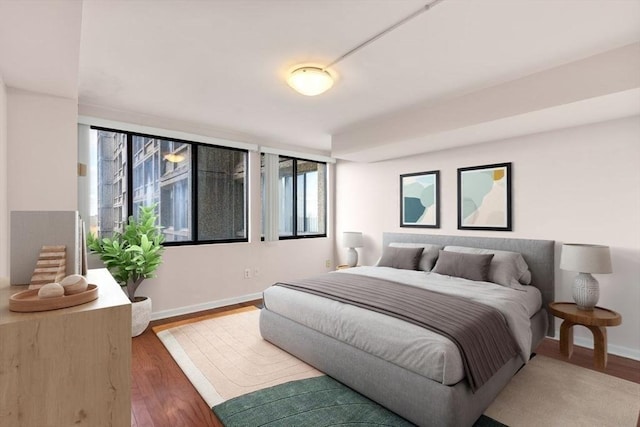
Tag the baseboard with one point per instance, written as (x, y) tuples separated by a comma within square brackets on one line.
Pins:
[(618, 350), (205, 306)]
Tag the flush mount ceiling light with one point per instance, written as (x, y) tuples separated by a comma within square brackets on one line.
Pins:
[(312, 81), (174, 158)]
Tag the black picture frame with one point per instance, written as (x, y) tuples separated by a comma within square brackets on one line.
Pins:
[(484, 197), (420, 199)]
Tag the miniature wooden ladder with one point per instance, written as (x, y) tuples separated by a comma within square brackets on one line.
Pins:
[(51, 266)]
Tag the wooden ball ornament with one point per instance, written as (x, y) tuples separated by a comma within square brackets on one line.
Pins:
[(74, 284), (51, 290)]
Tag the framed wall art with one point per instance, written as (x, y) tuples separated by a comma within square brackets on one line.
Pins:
[(484, 197), (420, 199)]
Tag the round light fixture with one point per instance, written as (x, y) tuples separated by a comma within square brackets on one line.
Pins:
[(174, 158), (310, 81)]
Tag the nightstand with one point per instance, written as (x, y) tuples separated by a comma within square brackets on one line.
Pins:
[(596, 321)]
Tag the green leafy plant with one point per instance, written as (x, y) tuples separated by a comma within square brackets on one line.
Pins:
[(133, 255)]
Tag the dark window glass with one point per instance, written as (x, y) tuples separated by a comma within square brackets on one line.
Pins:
[(302, 201), (109, 201), (162, 172), (311, 197), (286, 197), (221, 193), (162, 176)]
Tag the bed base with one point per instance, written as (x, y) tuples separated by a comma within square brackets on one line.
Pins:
[(418, 399)]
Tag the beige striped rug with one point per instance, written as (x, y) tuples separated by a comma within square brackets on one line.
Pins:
[(224, 356)]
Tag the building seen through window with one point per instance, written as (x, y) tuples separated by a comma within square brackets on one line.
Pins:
[(302, 199), (111, 200), (162, 176), (161, 173)]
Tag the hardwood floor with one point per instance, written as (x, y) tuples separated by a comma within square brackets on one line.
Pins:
[(162, 396), (621, 367)]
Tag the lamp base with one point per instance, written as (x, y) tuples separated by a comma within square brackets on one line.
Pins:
[(585, 291), (352, 257)]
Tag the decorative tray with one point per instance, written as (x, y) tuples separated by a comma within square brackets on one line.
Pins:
[(28, 301)]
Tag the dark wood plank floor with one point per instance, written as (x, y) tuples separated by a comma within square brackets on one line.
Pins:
[(161, 395)]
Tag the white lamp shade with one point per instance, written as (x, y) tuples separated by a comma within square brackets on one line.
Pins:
[(352, 239), (310, 81), (585, 258)]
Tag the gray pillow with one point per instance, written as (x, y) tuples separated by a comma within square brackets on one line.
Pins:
[(507, 268), (404, 258), (429, 253), (467, 266)]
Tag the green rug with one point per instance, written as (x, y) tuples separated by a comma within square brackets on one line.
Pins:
[(313, 402)]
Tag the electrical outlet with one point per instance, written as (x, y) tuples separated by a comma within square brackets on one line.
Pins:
[(327, 263), (247, 273), (256, 272)]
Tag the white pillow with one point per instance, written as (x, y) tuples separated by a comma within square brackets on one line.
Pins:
[(429, 253), (507, 268)]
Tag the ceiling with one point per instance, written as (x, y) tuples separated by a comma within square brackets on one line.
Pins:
[(222, 64)]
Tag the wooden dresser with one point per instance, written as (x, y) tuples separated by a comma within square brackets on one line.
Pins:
[(70, 366)]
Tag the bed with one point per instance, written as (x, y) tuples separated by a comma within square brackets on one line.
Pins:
[(412, 371)]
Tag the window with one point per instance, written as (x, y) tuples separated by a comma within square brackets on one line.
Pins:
[(301, 192), (311, 197), (221, 193), (109, 210), (199, 189)]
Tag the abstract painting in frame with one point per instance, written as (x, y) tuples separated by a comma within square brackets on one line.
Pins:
[(484, 197), (420, 199)]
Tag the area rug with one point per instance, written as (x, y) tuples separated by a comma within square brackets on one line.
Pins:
[(312, 402), (224, 357)]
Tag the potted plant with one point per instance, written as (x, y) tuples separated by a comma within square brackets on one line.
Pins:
[(131, 257)]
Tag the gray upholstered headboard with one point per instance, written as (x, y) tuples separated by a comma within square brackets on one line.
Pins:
[(539, 255)]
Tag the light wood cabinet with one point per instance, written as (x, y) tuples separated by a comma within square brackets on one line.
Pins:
[(70, 366)]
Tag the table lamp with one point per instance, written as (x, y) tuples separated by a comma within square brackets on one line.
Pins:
[(585, 259), (352, 240)]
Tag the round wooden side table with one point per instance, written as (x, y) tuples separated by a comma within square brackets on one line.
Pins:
[(596, 321)]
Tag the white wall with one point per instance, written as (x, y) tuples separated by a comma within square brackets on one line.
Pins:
[(84, 199), (4, 224), (194, 278), (574, 185), (42, 151)]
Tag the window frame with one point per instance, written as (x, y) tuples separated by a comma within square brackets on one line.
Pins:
[(295, 234), (194, 184)]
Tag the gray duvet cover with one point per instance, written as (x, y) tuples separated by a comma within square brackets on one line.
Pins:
[(480, 333)]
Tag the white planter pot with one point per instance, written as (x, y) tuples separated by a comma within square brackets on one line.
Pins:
[(140, 315)]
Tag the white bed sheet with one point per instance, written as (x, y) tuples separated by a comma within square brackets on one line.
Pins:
[(409, 346)]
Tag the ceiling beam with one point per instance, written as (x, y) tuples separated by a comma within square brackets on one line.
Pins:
[(610, 77)]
